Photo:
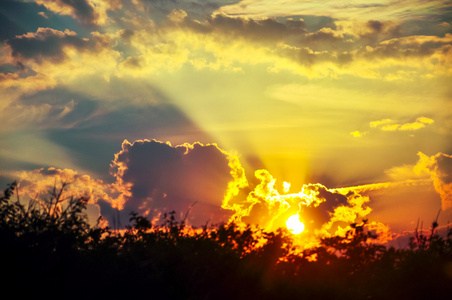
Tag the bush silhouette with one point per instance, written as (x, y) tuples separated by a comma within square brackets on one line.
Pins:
[(49, 249)]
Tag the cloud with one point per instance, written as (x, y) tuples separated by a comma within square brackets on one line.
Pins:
[(416, 46), (257, 30), (180, 33), (195, 9), (87, 12), (49, 57), (369, 32), (35, 186), (390, 125), (374, 124), (40, 181), (358, 134), (161, 178), (47, 44), (343, 49), (439, 166), (142, 46), (420, 122), (324, 212), (382, 9)]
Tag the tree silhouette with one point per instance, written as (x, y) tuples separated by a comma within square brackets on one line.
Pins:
[(49, 249)]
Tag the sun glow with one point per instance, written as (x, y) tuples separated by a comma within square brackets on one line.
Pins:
[(294, 225)]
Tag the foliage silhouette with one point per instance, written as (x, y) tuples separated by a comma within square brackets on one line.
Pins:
[(49, 249)]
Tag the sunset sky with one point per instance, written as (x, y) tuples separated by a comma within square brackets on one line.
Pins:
[(212, 107)]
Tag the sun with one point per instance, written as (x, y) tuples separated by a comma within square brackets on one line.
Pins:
[(294, 225)]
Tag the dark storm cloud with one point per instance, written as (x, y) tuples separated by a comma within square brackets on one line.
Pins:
[(163, 178), (47, 44)]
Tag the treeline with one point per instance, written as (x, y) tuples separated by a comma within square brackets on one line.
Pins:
[(48, 249)]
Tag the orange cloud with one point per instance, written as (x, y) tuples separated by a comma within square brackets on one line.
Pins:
[(439, 166), (35, 186)]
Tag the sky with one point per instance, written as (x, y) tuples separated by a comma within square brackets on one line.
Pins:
[(248, 111)]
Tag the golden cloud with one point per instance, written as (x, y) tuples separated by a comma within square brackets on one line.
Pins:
[(385, 125), (358, 133), (380, 122)]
